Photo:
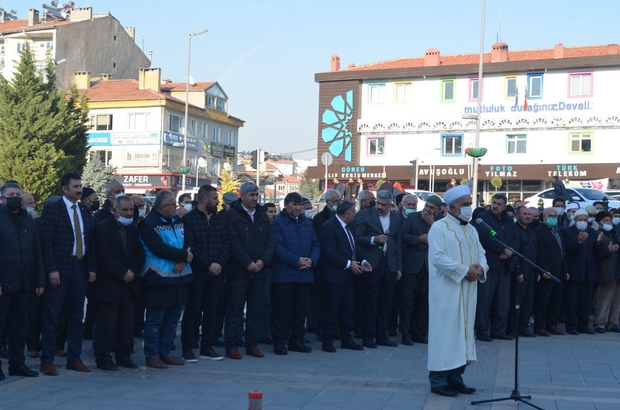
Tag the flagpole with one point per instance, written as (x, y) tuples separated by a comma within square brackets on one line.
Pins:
[(474, 188)]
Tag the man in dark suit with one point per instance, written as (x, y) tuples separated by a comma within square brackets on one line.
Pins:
[(341, 261), (351, 191), (378, 233), (551, 256), (414, 295), (115, 293), (69, 258)]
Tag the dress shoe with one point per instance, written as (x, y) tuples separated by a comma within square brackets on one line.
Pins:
[(407, 341), (48, 369), (463, 388), (421, 340), (483, 337), (33, 354), (266, 341), (386, 342), (392, 333), (299, 347), (600, 330), (586, 330), (127, 363), (369, 343), (78, 366), (254, 352), (501, 336), (445, 391), (542, 332), (217, 343), (328, 348), (60, 353), (172, 361), (23, 371), (108, 365), (210, 354), (280, 349), (351, 345), (189, 356), (614, 329), (233, 354), (555, 331), (572, 332), (526, 333), (156, 363)]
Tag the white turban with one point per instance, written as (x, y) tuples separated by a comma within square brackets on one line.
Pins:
[(456, 193)]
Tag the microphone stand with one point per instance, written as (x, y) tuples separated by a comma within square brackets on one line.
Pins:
[(516, 394)]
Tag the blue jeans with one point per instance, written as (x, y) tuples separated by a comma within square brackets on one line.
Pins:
[(160, 328)]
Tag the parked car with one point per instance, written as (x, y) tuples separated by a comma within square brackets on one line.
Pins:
[(422, 196), (319, 203), (582, 196), (614, 193)]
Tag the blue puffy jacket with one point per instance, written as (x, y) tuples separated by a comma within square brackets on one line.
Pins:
[(293, 239)]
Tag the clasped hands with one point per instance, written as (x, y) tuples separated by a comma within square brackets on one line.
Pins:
[(304, 263), (357, 268), (475, 272)]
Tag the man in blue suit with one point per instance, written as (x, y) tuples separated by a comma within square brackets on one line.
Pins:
[(341, 260)]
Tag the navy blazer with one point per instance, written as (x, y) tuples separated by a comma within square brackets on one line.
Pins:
[(550, 256), (57, 238), (336, 252), (367, 225), (581, 259)]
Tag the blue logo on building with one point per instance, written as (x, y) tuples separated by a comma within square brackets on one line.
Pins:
[(337, 119)]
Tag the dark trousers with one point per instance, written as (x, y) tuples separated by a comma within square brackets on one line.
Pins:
[(578, 304), (138, 323), (14, 319), (451, 377), (315, 306), (414, 304), (493, 302), (359, 296), (220, 313), (114, 321), (89, 319), (35, 322), (379, 291), (72, 288), (289, 306), (265, 317), (204, 294), (394, 313), (525, 292), (338, 309), (547, 303), (238, 292)]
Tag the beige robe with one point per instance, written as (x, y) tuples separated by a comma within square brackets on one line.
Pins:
[(453, 248)]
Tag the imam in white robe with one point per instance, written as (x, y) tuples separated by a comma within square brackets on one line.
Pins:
[(453, 248)]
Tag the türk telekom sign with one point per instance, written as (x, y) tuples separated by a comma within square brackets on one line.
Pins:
[(547, 171)]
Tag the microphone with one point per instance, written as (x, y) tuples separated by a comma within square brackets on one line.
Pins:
[(480, 222)]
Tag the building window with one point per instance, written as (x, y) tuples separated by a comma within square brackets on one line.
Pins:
[(516, 144), (580, 85), (203, 131), (220, 104), (447, 90), (376, 146), (376, 93), (105, 156), (510, 86), (192, 127), (2, 50), (403, 92), (176, 123), (474, 89), (452, 144), (534, 86), (101, 122), (138, 121), (581, 142), (216, 134), (230, 135), (210, 101)]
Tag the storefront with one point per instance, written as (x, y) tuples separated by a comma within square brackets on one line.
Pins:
[(149, 184)]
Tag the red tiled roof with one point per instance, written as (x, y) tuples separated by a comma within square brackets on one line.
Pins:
[(119, 90), (19, 25), (192, 87), (463, 59)]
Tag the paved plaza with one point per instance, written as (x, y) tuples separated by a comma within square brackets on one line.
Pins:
[(560, 372)]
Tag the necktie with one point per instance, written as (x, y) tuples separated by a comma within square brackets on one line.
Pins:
[(351, 242), (79, 246)]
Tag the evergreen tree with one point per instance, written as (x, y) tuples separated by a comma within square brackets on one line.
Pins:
[(97, 176), (42, 132), (308, 187), (228, 183)]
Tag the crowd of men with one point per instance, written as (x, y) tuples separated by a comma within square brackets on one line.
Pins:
[(358, 269)]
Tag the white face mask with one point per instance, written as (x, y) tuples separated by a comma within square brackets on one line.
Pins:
[(142, 212), (616, 221), (125, 221), (308, 213), (30, 209), (559, 210), (188, 207), (120, 194), (607, 227), (590, 219), (466, 212), (581, 225)]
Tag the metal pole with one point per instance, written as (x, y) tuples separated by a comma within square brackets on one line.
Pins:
[(258, 168), (325, 187), (474, 188)]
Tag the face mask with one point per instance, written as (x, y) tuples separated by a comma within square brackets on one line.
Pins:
[(30, 209), (308, 213), (551, 222), (535, 222), (14, 202), (559, 210), (120, 194), (141, 212), (581, 225), (616, 221), (590, 219), (95, 206), (409, 212), (125, 221), (607, 227), (598, 210), (571, 217), (188, 207), (466, 212)]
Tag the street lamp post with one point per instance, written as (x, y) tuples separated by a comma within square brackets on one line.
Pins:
[(185, 125)]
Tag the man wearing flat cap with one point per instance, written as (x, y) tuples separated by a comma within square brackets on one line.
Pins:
[(456, 264)]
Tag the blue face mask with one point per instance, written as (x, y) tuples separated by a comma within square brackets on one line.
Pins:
[(551, 222), (409, 211)]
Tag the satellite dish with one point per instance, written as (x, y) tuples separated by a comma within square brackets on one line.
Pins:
[(54, 3), (202, 163), (191, 80)]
